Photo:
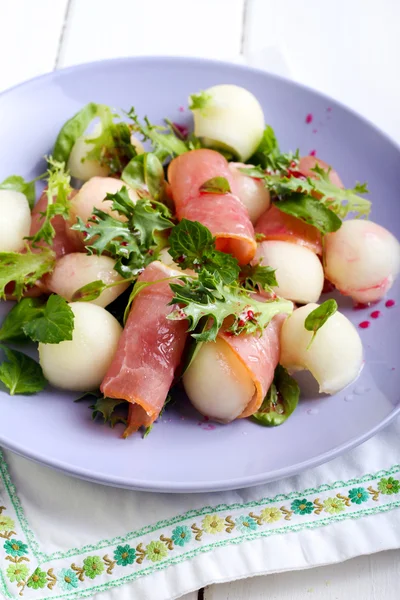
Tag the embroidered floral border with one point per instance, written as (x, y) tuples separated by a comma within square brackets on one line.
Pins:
[(25, 571)]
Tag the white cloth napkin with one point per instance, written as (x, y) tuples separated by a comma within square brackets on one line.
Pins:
[(65, 538)]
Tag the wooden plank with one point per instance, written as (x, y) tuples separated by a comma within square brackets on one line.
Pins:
[(371, 577), (348, 50), (29, 38), (98, 29)]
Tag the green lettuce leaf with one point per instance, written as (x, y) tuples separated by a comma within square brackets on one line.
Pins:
[(23, 312), (18, 184), (24, 269)]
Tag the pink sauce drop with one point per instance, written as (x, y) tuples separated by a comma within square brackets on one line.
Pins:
[(390, 303), (360, 306), (376, 314), (181, 109), (312, 153), (329, 109), (364, 324), (309, 118), (315, 130)]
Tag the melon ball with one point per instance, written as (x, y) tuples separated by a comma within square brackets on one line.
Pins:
[(75, 270), (81, 364), (362, 259), (299, 272), (335, 356), (231, 119), (217, 383), (15, 220), (250, 191), (92, 195), (81, 167)]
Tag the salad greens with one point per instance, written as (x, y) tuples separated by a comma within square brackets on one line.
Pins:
[(216, 185), (20, 373), (319, 316), (281, 399), (57, 192), (134, 242), (23, 270)]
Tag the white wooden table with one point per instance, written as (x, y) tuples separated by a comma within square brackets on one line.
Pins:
[(348, 49)]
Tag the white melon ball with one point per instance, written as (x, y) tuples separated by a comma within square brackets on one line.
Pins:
[(92, 195), (81, 364), (15, 220), (362, 259), (166, 258), (75, 270), (299, 272), (217, 383), (78, 165), (335, 356), (231, 119), (250, 191)]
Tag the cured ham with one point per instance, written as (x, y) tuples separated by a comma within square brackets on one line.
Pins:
[(277, 225), (260, 356), (149, 350), (229, 378), (62, 242), (223, 214), (307, 163)]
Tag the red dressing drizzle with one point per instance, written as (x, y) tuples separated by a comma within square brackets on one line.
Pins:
[(309, 118), (390, 303), (364, 324)]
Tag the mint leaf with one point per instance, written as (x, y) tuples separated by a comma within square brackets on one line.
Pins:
[(24, 269), (25, 311), (258, 276), (55, 325), (193, 247), (281, 400), (310, 211), (199, 101), (319, 316), (72, 130), (216, 185), (20, 373), (18, 184)]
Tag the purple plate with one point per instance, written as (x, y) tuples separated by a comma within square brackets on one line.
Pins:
[(184, 453)]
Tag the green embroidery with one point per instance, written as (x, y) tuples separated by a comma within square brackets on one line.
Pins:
[(182, 538), (15, 548), (358, 495), (93, 566), (124, 555), (156, 551), (302, 507), (37, 580), (68, 580), (389, 486)]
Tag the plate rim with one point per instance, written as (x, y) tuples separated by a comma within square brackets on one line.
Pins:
[(201, 486)]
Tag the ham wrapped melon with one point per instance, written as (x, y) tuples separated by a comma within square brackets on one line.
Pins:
[(149, 350), (229, 378), (223, 214)]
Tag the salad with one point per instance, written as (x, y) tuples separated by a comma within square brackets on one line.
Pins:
[(157, 258)]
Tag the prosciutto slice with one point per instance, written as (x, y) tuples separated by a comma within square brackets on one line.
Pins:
[(277, 225), (149, 351), (260, 356), (223, 214)]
